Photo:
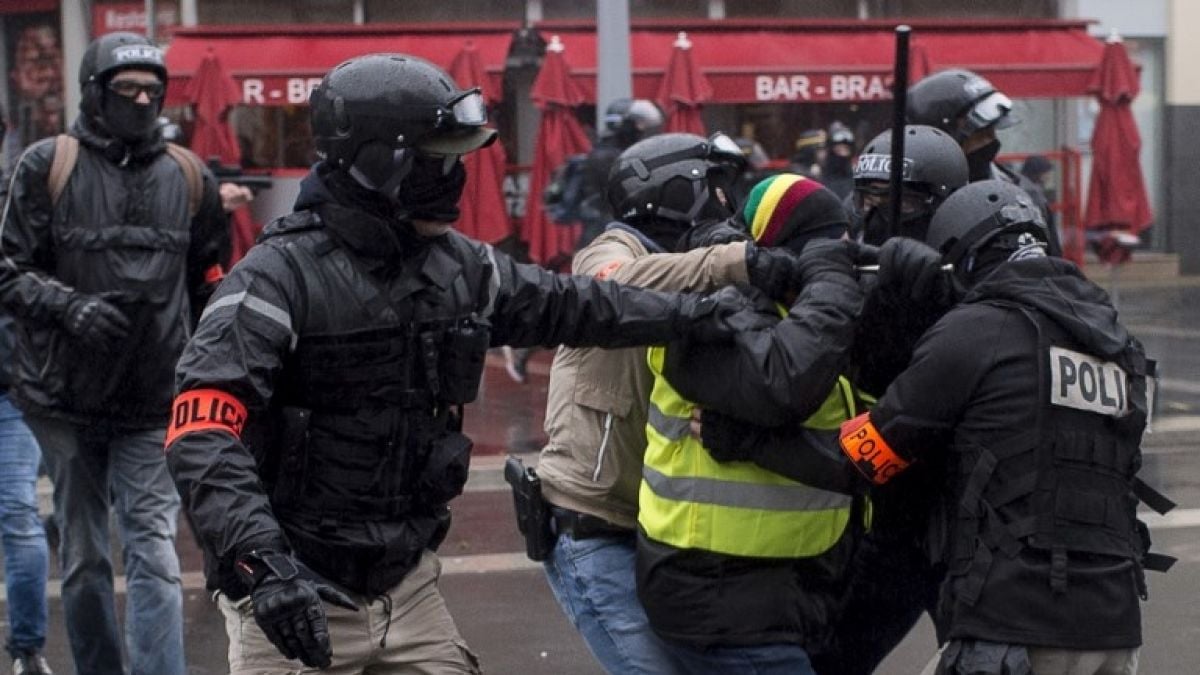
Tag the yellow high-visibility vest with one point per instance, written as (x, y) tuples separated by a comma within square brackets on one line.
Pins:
[(689, 500)]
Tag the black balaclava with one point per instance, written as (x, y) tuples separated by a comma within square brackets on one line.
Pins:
[(128, 120), (413, 184), (876, 229), (979, 162)]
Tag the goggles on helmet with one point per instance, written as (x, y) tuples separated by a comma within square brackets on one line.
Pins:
[(468, 109), (995, 109)]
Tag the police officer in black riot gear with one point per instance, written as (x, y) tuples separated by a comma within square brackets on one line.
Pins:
[(972, 110), (316, 436), (1040, 433), (934, 167)]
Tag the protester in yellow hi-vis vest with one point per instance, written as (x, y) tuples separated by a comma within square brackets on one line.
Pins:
[(739, 567)]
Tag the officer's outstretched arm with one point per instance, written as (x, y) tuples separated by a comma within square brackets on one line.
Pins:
[(224, 381), (529, 305)]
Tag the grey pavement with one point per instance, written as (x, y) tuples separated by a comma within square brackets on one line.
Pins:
[(507, 614)]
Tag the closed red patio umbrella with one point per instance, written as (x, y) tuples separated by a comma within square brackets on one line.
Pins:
[(683, 90), (484, 215), (213, 93), (1117, 206), (559, 136)]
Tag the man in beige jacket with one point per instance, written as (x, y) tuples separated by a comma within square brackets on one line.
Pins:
[(590, 469)]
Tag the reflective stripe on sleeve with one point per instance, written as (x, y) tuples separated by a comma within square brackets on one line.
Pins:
[(254, 304), (204, 410), (867, 450)]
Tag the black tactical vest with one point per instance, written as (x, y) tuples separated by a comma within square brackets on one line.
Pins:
[(362, 449), (1045, 523)]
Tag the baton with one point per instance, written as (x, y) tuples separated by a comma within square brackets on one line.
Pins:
[(948, 267), (899, 103)]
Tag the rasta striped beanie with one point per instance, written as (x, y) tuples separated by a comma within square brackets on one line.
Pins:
[(789, 210)]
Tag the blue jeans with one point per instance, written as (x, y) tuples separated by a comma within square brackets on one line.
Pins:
[(777, 659), (94, 467), (593, 581), (25, 554)]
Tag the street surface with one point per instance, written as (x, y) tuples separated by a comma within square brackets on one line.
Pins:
[(507, 614)]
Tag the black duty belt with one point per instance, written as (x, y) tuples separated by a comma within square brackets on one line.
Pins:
[(585, 526)]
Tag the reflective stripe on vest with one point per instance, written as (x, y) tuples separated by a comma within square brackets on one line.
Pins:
[(689, 500)]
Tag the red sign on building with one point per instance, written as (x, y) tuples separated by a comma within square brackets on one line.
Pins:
[(131, 17)]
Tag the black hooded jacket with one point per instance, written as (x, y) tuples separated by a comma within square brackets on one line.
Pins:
[(120, 230)]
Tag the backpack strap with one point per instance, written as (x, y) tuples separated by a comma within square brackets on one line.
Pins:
[(66, 152), (193, 173)]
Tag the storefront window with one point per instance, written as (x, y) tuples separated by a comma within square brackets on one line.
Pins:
[(791, 9), (228, 12), (1040, 9), (573, 9), (390, 11)]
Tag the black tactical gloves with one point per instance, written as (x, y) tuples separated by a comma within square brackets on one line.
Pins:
[(712, 233), (717, 316), (913, 269), (287, 606), (96, 322), (827, 258), (774, 271)]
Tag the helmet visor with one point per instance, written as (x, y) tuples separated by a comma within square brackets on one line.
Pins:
[(995, 109)]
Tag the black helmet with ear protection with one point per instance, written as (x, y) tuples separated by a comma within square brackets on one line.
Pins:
[(985, 214)]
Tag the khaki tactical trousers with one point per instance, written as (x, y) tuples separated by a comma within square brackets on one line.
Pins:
[(416, 637)]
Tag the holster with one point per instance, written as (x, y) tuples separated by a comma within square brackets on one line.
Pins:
[(533, 513)]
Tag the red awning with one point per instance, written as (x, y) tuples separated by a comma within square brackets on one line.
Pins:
[(745, 60), (279, 65), (750, 61)]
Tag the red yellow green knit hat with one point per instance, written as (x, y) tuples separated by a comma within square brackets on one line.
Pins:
[(788, 210)]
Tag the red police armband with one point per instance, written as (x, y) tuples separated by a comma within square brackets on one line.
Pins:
[(203, 410), (867, 450), (213, 274)]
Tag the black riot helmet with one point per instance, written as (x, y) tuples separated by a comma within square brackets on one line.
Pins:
[(675, 177), (372, 114), (113, 52), (629, 120), (958, 102), (986, 222), (117, 114), (934, 167)]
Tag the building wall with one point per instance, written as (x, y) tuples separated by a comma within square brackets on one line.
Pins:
[(1183, 129)]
